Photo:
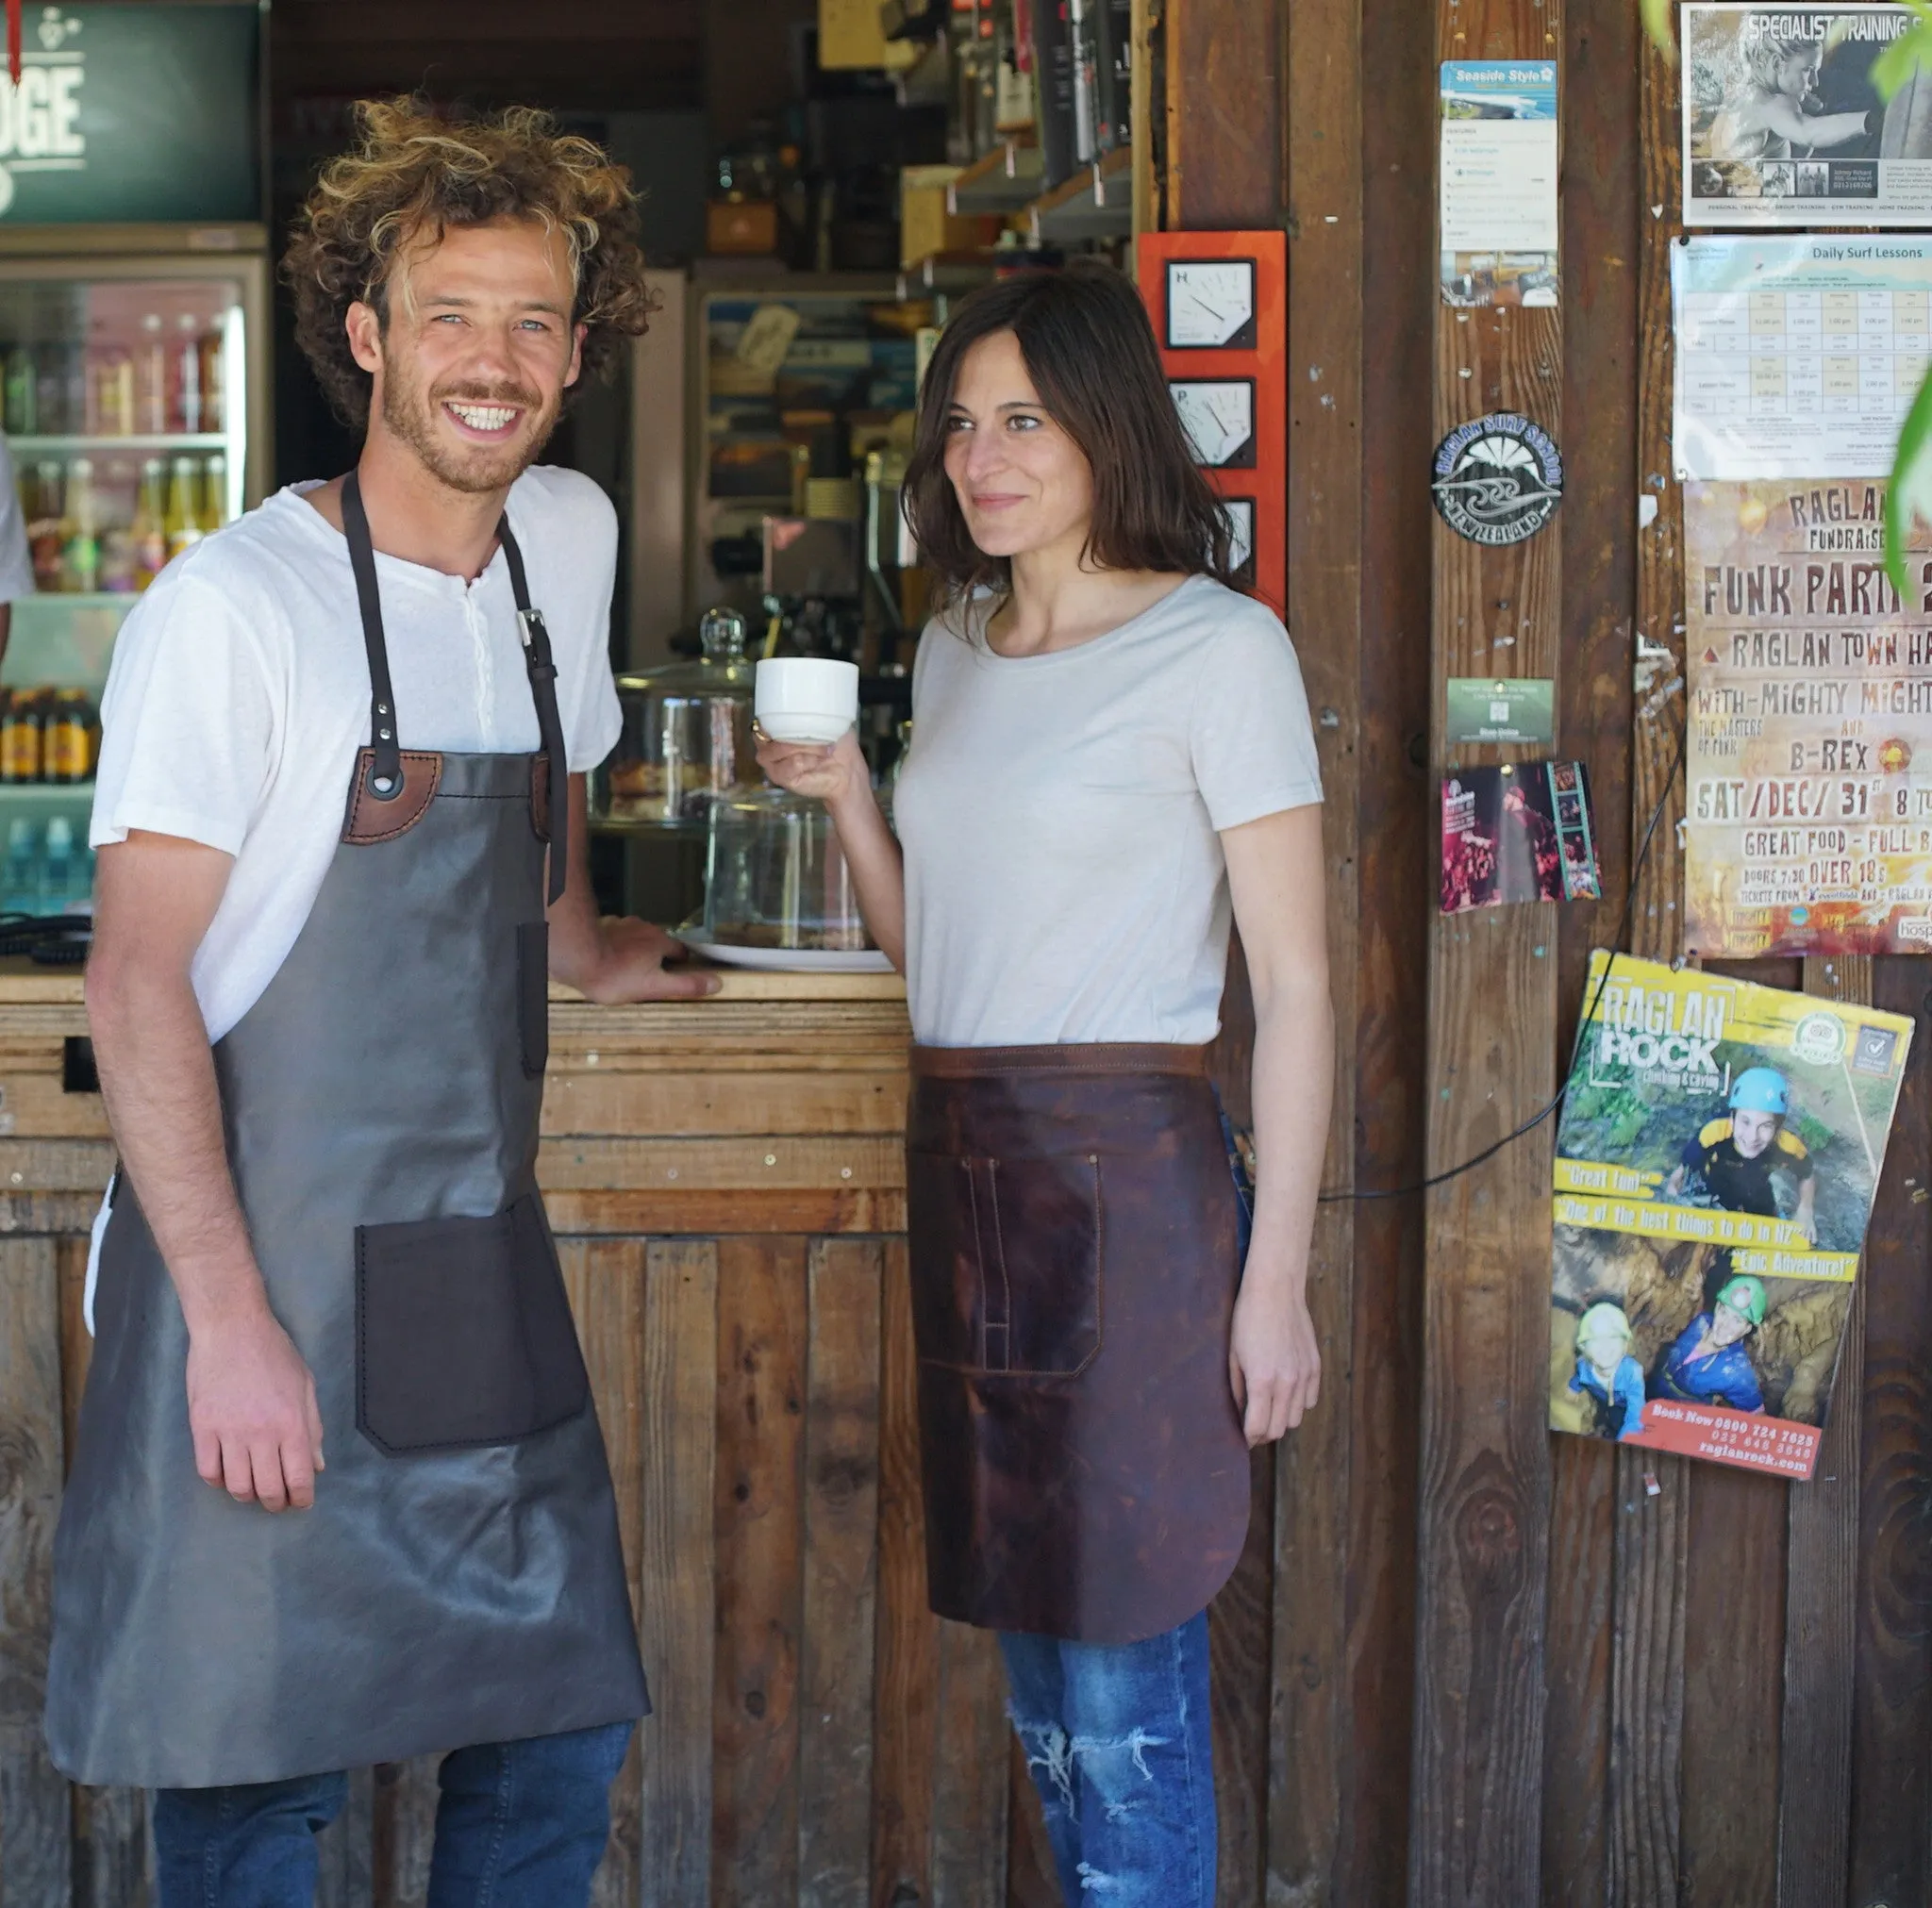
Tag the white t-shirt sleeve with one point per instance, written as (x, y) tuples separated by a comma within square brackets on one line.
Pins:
[(16, 566), (587, 700), (1252, 741), (189, 719)]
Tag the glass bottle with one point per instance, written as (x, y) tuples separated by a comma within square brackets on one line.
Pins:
[(57, 866), (112, 385), (188, 408), (150, 523), (210, 348), (22, 399), (183, 521), (20, 738), (151, 377), (80, 557), (20, 885), (44, 536), (67, 748), (214, 491)]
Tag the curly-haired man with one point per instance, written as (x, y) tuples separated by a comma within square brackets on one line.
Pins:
[(340, 817)]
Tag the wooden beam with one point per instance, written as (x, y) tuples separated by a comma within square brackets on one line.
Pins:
[(1814, 1815), (1653, 1532), (1225, 102), (1314, 1497), (1484, 1524), (1396, 808)]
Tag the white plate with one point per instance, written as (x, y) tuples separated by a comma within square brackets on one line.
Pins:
[(801, 960)]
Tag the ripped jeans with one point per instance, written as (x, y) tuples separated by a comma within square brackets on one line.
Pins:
[(1117, 1741)]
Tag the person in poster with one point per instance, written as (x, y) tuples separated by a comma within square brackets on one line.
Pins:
[(1763, 115), (1709, 1364), (1736, 1156), (1607, 1374)]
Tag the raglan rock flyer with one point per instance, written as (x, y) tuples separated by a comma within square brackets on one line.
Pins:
[(1719, 1149), (1808, 765)]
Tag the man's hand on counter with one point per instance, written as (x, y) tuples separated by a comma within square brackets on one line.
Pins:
[(631, 965), (610, 960)]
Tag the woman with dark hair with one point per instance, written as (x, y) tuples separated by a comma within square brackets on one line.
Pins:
[(1111, 755)]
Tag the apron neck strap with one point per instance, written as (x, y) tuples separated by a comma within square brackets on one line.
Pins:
[(385, 784), (537, 660), (387, 781)]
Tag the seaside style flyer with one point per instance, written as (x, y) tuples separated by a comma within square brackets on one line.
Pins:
[(1720, 1147)]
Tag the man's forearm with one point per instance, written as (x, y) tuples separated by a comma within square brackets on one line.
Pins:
[(157, 1078)]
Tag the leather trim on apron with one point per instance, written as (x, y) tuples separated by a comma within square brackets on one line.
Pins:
[(1073, 1250), (460, 1579)]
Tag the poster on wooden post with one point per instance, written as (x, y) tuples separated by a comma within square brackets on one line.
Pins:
[(1719, 1148), (1808, 765)]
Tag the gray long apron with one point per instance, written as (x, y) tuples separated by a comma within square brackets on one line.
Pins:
[(460, 1579)]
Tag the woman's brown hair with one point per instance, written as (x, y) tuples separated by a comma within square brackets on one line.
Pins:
[(412, 174), (1091, 354)]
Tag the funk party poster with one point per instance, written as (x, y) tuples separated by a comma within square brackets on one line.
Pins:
[(1720, 1147), (1808, 775)]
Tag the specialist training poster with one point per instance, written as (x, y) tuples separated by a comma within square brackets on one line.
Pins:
[(1720, 1147), (1783, 125), (1807, 772)]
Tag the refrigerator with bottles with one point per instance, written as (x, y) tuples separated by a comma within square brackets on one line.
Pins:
[(134, 307), (133, 390)]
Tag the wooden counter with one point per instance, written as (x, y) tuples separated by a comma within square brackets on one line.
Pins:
[(726, 1180)]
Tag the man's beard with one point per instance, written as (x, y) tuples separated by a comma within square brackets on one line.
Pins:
[(473, 467)]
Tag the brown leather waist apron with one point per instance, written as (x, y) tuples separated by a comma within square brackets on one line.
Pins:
[(1073, 1255)]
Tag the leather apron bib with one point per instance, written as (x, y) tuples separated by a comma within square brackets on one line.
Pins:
[(1073, 1253), (460, 1579)]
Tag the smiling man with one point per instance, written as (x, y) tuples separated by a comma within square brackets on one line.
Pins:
[(341, 823)]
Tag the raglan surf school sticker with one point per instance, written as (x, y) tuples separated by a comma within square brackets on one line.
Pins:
[(1497, 479)]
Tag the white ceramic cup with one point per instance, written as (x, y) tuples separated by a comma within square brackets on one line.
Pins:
[(805, 698)]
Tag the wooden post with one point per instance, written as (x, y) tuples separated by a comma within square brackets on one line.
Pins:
[(1314, 1477), (1484, 1523)]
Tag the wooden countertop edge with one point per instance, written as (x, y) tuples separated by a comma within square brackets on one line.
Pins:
[(23, 985)]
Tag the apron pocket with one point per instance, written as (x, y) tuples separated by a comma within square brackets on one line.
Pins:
[(533, 996), (1006, 1262), (464, 1333)]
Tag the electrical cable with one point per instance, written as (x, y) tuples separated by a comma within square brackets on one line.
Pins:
[(1348, 1196)]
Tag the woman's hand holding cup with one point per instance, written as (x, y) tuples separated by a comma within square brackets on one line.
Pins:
[(829, 772)]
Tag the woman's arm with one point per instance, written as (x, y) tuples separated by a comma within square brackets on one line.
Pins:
[(1276, 876), (837, 775), (1790, 121)]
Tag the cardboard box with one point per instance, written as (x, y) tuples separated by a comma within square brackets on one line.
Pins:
[(925, 224)]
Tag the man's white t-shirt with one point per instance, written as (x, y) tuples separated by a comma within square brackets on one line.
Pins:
[(1059, 815), (238, 696), (16, 565)]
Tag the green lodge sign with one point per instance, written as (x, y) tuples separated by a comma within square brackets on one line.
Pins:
[(133, 114)]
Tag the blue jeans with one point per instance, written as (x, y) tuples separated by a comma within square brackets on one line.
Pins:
[(520, 1825), (1118, 1743)]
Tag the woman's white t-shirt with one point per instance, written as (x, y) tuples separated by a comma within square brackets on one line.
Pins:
[(238, 696), (1059, 816)]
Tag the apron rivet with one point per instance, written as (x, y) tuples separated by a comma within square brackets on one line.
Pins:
[(382, 785), (844, 1172), (771, 1159)]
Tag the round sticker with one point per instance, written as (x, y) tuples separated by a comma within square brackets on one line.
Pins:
[(1819, 1039), (1497, 479)]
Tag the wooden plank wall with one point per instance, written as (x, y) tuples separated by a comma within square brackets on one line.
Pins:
[(1484, 1520)]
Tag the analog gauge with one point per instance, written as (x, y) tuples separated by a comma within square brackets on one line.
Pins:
[(1240, 512), (1218, 415), (1210, 304)]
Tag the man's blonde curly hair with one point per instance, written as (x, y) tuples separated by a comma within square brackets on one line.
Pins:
[(411, 175)]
